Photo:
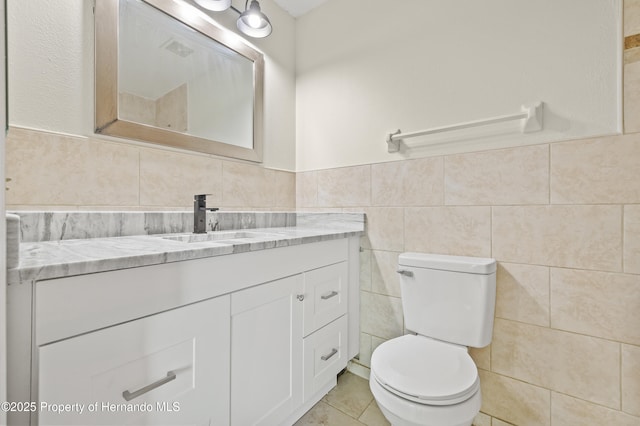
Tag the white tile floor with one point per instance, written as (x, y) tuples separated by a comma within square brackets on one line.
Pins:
[(348, 404)]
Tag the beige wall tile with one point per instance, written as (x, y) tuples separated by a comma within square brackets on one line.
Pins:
[(375, 342), (364, 356), (365, 270), (407, 183), (380, 316), (514, 401), (508, 176), (603, 170), (632, 97), (385, 229), (52, 169), (631, 17), (172, 179), (449, 230), (582, 366), (384, 278), (596, 303), (568, 411), (631, 380), (285, 189), (522, 293), (585, 237), (345, 187), (307, 189), (246, 185), (481, 356), (632, 239)]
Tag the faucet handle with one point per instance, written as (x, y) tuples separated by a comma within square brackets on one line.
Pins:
[(200, 197)]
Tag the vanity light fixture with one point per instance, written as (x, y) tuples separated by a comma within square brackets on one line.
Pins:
[(215, 5), (251, 22)]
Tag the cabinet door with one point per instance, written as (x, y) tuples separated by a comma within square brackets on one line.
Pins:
[(170, 368), (266, 352), (326, 295)]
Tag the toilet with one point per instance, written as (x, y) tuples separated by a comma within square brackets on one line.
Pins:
[(427, 377)]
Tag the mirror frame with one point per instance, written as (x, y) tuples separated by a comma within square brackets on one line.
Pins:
[(106, 81)]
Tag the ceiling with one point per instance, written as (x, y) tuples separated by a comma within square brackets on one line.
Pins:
[(298, 8)]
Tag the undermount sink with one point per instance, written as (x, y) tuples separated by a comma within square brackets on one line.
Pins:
[(222, 236)]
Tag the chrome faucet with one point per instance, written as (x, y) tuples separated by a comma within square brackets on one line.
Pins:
[(200, 213)]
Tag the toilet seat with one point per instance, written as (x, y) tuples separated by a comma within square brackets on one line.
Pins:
[(425, 371)]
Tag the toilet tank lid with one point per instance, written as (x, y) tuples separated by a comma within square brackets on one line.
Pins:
[(471, 265)]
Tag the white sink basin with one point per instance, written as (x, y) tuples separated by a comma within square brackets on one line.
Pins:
[(230, 236)]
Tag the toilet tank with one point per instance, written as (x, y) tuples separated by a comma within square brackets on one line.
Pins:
[(449, 298)]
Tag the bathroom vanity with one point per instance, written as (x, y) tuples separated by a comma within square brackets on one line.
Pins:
[(253, 332)]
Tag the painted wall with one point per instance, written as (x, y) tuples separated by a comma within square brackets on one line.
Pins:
[(50, 46), (562, 219), (366, 68)]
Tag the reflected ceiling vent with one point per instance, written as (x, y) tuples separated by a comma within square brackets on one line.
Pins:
[(174, 46)]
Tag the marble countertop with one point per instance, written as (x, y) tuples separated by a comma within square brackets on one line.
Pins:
[(55, 259)]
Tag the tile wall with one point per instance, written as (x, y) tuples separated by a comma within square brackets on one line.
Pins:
[(60, 172), (563, 221)]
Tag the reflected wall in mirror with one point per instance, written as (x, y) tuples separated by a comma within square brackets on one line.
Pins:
[(166, 74)]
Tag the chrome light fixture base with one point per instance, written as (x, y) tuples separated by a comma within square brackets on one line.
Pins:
[(215, 5)]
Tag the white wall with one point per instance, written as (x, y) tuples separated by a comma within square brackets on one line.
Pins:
[(368, 67), (50, 47), (3, 231)]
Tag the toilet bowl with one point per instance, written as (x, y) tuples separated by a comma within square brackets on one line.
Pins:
[(428, 378), (423, 382)]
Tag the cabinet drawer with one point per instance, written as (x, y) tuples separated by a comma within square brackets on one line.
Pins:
[(325, 354), (163, 369), (325, 292)]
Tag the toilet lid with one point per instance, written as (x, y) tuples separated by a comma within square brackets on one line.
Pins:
[(425, 370)]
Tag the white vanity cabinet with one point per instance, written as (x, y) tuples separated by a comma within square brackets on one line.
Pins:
[(288, 343), (242, 339), (168, 367)]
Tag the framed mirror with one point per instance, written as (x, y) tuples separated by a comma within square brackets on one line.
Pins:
[(167, 75)]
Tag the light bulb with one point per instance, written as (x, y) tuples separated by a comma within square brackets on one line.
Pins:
[(254, 21)]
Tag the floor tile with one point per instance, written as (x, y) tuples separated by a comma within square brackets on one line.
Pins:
[(352, 395), (372, 416), (322, 414)]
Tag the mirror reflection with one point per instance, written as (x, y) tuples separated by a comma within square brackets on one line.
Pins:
[(176, 79)]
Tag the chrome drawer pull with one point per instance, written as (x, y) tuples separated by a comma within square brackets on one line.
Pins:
[(128, 396), (326, 357), (405, 272), (329, 296)]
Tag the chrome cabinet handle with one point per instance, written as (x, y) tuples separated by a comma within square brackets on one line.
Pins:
[(329, 296), (128, 396), (405, 272), (300, 297), (329, 355)]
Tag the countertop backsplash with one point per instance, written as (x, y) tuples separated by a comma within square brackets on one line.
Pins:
[(39, 226)]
